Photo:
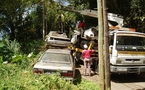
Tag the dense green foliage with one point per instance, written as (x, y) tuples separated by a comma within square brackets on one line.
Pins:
[(16, 70), (15, 77), (13, 52), (8, 49), (18, 75)]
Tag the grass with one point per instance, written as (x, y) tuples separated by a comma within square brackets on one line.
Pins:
[(13, 77)]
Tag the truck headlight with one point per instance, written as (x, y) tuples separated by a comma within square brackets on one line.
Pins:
[(143, 61), (118, 61)]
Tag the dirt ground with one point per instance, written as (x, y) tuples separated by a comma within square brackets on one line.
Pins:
[(94, 77), (118, 82), (79, 70)]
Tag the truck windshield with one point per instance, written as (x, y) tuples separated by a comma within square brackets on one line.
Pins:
[(130, 43), (130, 40)]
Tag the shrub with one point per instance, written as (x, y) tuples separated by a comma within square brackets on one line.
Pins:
[(5, 54), (33, 46), (17, 78)]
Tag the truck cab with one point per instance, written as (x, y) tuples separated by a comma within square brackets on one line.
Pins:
[(127, 51)]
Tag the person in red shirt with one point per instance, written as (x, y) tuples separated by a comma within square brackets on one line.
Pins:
[(81, 25), (87, 59)]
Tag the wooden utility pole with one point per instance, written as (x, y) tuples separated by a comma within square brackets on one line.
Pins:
[(100, 45), (45, 28), (44, 20), (103, 46), (106, 48)]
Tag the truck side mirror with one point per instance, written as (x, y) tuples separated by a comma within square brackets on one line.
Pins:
[(110, 47)]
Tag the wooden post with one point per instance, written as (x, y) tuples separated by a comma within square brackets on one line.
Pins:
[(100, 45), (106, 48), (44, 20)]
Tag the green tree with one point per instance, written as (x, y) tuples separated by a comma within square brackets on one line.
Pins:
[(15, 18)]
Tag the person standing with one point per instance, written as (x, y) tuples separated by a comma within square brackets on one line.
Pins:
[(87, 59), (81, 25)]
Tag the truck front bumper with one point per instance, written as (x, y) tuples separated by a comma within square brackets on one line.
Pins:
[(127, 69)]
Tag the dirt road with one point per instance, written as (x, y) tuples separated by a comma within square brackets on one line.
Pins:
[(118, 82)]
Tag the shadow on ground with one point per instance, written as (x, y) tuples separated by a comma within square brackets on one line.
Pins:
[(78, 77), (141, 89), (126, 78)]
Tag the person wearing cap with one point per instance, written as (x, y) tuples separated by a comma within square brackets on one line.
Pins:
[(87, 59)]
